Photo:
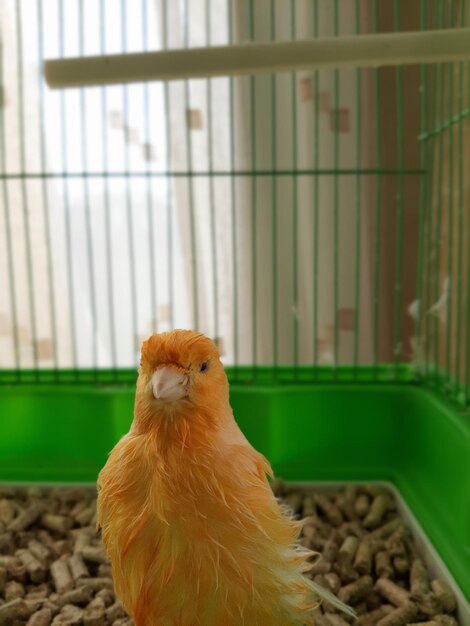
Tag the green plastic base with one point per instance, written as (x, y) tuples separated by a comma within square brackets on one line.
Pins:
[(335, 432)]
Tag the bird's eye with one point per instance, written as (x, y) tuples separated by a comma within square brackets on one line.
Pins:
[(203, 367)]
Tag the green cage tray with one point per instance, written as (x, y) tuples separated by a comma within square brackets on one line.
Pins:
[(401, 434)]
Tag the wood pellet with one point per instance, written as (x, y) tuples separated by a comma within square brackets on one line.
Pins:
[(54, 571), (53, 568), (367, 557)]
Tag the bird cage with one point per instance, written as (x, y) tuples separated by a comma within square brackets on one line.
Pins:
[(314, 221)]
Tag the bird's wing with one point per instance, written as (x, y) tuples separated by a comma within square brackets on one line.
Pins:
[(232, 438)]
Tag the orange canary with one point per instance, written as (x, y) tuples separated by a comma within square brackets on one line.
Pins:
[(188, 519)]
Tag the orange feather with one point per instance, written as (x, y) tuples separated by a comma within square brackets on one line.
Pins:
[(193, 531)]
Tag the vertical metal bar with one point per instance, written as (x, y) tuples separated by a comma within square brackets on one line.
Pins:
[(295, 288), (316, 197), (169, 207), (357, 280), (460, 205), (450, 207), (397, 340), (129, 206), (68, 237), (210, 150), (254, 269), (274, 199), (8, 230), (189, 152), (467, 356), (24, 191), (378, 212), (437, 252), (107, 213), (466, 210), (423, 212), (467, 329), (233, 203), (150, 199), (438, 284), (336, 202), (86, 194), (429, 279), (45, 195)]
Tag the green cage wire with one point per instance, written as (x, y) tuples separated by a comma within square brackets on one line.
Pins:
[(315, 224)]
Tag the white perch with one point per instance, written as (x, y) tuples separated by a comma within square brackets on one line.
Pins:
[(254, 58)]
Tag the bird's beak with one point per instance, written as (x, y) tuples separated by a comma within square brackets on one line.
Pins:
[(169, 384)]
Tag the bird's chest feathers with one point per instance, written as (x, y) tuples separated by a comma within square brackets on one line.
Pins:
[(197, 492), (179, 486)]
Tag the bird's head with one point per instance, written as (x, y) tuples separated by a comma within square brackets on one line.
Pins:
[(181, 372)]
